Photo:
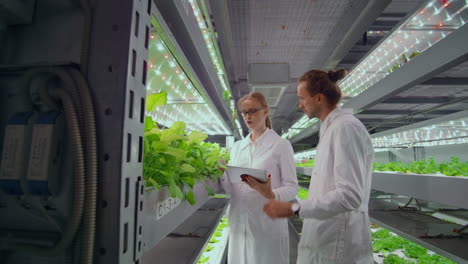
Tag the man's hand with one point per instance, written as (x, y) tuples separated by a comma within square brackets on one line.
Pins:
[(262, 188), (278, 209)]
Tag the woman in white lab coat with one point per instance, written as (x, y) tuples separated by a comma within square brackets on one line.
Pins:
[(254, 237), (336, 222)]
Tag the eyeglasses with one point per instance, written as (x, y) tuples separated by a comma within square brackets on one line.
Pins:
[(251, 111)]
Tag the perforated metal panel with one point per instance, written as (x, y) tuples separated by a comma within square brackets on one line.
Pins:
[(117, 78), (302, 33)]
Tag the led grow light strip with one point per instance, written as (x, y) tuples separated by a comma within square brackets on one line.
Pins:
[(422, 30), (185, 103), (213, 49), (446, 133), (301, 124)]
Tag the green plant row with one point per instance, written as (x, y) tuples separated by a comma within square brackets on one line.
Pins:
[(309, 163), (453, 168), (177, 159), (404, 59), (384, 243), (221, 226)]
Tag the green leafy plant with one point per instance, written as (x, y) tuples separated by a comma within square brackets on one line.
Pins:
[(223, 224), (213, 240), (453, 168), (383, 242), (227, 96), (303, 194), (388, 244), (380, 234), (413, 250), (434, 259), (209, 248), (204, 259), (404, 59), (309, 163), (178, 159), (394, 259)]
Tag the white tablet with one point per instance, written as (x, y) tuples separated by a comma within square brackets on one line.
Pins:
[(234, 173)]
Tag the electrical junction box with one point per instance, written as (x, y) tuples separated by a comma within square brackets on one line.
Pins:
[(45, 157), (15, 153), (270, 79)]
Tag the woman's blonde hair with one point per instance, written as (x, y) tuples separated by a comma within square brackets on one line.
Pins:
[(261, 99)]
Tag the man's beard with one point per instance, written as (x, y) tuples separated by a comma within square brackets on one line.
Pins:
[(314, 113)]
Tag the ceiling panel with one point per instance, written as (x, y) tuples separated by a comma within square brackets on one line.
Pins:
[(302, 33)]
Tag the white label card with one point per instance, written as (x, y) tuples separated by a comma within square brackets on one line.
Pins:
[(164, 207)]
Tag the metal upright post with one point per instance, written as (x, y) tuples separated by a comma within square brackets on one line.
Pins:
[(117, 78)]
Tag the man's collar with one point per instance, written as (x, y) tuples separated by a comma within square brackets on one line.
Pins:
[(332, 116)]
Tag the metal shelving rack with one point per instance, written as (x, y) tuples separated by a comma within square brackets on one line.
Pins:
[(428, 231), (187, 34), (446, 192), (414, 225), (191, 235), (128, 227), (441, 56)]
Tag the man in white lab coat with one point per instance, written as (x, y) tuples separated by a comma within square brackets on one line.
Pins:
[(336, 223)]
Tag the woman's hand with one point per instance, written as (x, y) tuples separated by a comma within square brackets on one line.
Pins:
[(263, 189)]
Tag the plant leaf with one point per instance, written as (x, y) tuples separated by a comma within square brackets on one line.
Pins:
[(190, 197), (155, 100), (178, 127), (175, 191), (189, 180), (187, 168), (149, 123), (168, 135), (159, 146), (178, 153), (155, 131), (197, 137), (154, 183)]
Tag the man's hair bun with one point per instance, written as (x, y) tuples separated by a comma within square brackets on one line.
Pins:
[(337, 75)]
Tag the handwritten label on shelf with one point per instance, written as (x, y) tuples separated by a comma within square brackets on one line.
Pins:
[(164, 207)]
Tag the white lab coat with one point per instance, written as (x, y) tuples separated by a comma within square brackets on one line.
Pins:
[(336, 222), (254, 237)]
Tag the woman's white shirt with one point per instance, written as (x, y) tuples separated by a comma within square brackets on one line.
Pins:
[(254, 237)]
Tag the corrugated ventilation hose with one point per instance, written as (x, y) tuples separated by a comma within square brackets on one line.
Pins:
[(73, 128), (79, 110)]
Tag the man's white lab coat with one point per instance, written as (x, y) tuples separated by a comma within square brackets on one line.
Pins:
[(254, 237), (336, 222)]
